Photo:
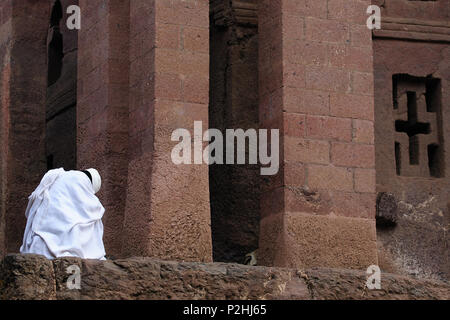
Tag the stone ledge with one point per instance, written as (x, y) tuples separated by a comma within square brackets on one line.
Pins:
[(34, 277), (414, 29)]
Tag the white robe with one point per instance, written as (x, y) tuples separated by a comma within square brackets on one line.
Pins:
[(64, 218)]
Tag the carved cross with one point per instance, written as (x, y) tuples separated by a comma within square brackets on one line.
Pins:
[(417, 130), (412, 127)]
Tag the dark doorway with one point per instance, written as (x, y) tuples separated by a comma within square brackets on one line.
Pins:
[(234, 189), (60, 138)]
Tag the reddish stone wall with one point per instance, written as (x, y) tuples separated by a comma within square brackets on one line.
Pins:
[(5, 74), (413, 77), (415, 9), (24, 95), (167, 212), (143, 71), (102, 110), (316, 86), (168, 79), (23, 110)]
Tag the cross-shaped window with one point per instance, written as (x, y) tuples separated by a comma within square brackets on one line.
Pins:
[(418, 126), (412, 127)]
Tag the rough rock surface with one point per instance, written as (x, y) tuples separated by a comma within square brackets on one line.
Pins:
[(417, 245), (34, 277), (387, 208)]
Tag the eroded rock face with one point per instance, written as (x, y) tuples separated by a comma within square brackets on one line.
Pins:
[(331, 284), (411, 78), (35, 277), (412, 237), (387, 209), (27, 277)]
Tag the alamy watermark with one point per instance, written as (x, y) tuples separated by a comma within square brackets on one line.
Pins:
[(74, 280), (74, 20), (374, 278), (374, 21), (258, 144)]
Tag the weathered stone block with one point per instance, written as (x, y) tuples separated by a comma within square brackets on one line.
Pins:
[(27, 277)]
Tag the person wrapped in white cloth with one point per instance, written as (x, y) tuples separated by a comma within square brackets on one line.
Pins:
[(64, 216)]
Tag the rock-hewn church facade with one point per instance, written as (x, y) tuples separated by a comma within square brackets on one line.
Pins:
[(363, 117)]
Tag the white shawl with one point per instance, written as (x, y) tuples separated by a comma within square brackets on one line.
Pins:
[(64, 218)]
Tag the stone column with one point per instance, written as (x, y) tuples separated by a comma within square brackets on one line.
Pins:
[(167, 211), (5, 72), (102, 108), (23, 75), (316, 86)]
